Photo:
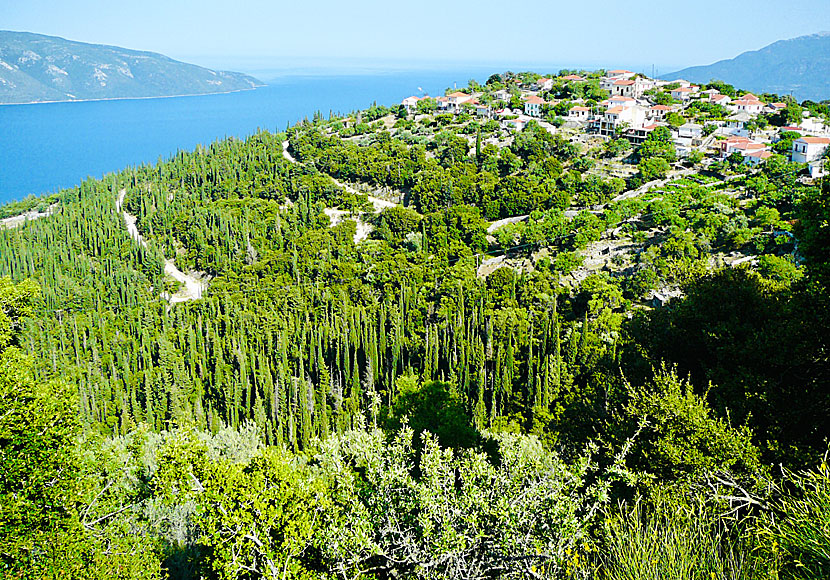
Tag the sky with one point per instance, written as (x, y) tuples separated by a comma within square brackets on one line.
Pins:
[(251, 35)]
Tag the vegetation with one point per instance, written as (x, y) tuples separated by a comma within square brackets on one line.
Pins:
[(378, 390)]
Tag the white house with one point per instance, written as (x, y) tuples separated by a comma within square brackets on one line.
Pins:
[(579, 113), (719, 99), (749, 106), (621, 101), (690, 131), (682, 93), (756, 158), (659, 112), (624, 87), (484, 110), (736, 124), (544, 84), (502, 95), (410, 103), (807, 149), (515, 124), (619, 74), (615, 117), (533, 106), (455, 100)]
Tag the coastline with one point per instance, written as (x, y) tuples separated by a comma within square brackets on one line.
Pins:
[(133, 98)]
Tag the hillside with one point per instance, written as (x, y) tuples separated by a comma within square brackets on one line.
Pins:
[(424, 345), (38, 68), (800, 66)]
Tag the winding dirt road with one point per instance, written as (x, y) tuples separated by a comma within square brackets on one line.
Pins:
[(192, 287)]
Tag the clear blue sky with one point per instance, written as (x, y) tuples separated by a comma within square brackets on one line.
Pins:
[(249, 34)]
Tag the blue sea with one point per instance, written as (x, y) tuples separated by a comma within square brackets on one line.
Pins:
[(49, 146)]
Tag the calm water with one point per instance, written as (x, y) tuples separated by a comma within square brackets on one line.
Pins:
[(46, 147)]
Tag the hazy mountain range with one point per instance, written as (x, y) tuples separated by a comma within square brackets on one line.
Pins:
[(800, 66), (37, 68)]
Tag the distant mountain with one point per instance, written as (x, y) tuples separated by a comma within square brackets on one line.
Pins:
[(36, 68), (800, 66)]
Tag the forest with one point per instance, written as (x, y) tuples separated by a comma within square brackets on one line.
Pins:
[(402, 390)]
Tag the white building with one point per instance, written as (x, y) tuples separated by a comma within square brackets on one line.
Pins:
[(502, 95), (755, 158), (544, 84), (749, 106), (624, 87), (690, 131), (455, 100), (579, 113), (410, 103), (621, 101), (533, 106), (807, 149), (514, 124), (619, 74), (682, 93)]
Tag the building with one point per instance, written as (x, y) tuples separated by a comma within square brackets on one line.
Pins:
[(621, 101), (624, 87), (719, 99), (502, 95), (808, 149), (485, 111), (749, 106), (544, 84), (573, 78), (410, 103), (690, 131), (639, 134), (455, 100), (514, 124), (682, 93), (755, 158), (579, 113), (741, 145), (736, 124), (619, 74), (616, 117), (659, 112), (533, 106)]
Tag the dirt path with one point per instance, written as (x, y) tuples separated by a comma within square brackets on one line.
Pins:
[(338, 215), (18, 220), (192, 287)]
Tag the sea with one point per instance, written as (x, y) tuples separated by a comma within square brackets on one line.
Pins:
[(46, 147)]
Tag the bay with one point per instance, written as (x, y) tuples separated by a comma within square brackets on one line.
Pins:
[(48, 146)]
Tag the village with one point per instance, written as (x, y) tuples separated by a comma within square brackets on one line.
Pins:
[(707, 125)]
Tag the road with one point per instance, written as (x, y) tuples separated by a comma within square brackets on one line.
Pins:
[(192, 287)]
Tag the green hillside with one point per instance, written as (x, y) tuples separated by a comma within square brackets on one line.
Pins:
[(428, 347), (35, 68)]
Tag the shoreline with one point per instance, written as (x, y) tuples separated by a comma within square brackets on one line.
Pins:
[(132, 98)]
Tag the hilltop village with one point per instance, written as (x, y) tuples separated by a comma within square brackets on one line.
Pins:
[(714, 121)]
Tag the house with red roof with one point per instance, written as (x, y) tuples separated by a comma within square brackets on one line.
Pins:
[(747, 104), (619, 74), (573, 78), (544, 84), (683, 93), (755, 158), (659, 112), (410, 103), (533, 105), (579, 113)]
